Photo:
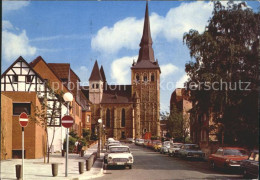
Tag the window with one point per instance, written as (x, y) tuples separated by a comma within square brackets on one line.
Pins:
[(93, 86), (97, 86), (137, 77), (15, 79), (123, 118), (88, 118), (108, 118), (145, 78), (152, 77), (28, 79), (18, 108)]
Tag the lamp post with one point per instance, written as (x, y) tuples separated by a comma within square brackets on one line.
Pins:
[(68, 97), (99, 136), (103, 137)]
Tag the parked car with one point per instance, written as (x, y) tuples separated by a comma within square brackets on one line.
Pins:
[(191, 151), (129, 140), (139, 142), (146, 142), (228, 157), (157, 145), (165, 147), (250, 166), (174, 148), (120, 156)]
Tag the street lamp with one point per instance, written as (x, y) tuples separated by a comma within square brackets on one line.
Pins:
[(99, 136), (103, 137), (68, 97)]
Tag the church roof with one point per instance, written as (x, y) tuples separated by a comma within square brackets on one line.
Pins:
[(146, 53), (95, 74), (117, 94), (102, 72)]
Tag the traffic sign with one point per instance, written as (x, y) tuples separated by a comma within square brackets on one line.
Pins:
[(23, 119), (67, 121)]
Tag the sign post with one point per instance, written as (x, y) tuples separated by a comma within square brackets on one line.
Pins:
[(23, 121), (67, 121)]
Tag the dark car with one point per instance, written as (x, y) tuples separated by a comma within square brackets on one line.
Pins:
[(250, 166), (191, 151)]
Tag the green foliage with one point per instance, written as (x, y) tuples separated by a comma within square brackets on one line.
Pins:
[(86, 133), (74, 134), (93, 137), (72, 141), (83, 141), (227, 51), (155, 137)]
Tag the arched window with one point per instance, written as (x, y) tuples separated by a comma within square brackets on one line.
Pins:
[(108, 118), (145, 78), (152, 77), (93, 86), (123, 118), (137, 78), (97, 86)]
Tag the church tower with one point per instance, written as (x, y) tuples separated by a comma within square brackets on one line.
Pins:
[(95, 85), (145, 80)]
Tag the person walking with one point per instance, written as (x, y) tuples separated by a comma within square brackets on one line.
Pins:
[(79, 147), (76, 147)]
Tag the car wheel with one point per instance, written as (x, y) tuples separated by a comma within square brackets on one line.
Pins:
[(170, 154), (130, 166), (160, 152), (212, 164), (245, 174)]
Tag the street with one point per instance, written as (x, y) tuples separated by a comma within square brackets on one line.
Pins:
[(153, 165)]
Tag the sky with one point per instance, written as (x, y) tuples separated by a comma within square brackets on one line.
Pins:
[(80, 32)]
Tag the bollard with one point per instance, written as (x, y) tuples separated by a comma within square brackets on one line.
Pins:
[(82, 153), (18, 169), (95, 155), (81, 167), (87, 165), (90, 162), (62, 152), (54, 169)]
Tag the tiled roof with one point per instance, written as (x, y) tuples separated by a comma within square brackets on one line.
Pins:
[(117, 94), (61, 69), (95, 74), (102, 72), (85, 91), (146, 65)]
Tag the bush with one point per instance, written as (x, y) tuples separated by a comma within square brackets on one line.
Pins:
[(86, 133), (83, 141), (93, 137), (73, 134), (155, 137), (72, 141)]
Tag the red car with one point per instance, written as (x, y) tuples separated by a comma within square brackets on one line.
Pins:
[(227, 157)]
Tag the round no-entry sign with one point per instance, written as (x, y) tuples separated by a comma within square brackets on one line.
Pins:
[(67, 121), (23, 119)]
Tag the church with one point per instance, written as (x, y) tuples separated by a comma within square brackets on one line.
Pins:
[(129, 111)]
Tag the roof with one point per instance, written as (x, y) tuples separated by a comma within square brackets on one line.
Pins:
[(146, 53), (61, 69), (95, 74), (103, 74), (117, 94), (85, 91)]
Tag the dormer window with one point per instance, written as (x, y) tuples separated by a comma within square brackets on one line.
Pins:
[(15, 79)]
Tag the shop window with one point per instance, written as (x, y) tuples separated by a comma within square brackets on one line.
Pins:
[(18, 108)]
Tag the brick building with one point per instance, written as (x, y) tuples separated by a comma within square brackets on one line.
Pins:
[(129, 110)]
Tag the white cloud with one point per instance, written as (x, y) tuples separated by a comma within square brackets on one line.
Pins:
[(14, 5), (127, 33), (7, 25), (16, 45), (168, 69), (72, 36), (181, 81), (120, 70)]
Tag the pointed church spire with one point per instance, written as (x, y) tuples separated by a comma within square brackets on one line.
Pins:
[(146, 50), (95, 74)]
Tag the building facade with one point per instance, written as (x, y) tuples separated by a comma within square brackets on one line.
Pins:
[(129, 110)]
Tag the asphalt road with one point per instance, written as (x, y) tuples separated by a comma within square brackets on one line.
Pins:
[(153, 165)]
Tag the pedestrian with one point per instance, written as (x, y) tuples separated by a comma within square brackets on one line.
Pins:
[(79, 147), (76, 146)]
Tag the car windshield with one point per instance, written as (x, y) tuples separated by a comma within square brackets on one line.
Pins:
[(193, 147), (141, 140), (234, 152), (119, 150), (167, 143)]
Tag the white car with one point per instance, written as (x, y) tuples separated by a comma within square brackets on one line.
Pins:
[(120, 156), (174, 148), (165, 147)]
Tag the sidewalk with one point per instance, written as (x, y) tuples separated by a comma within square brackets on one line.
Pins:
[(36, 169)]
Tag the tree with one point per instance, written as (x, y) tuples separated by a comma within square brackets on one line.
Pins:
[(46, 114), (227, 52)]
